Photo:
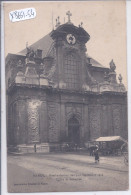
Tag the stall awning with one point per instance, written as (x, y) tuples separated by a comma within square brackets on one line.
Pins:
[(110, 138)]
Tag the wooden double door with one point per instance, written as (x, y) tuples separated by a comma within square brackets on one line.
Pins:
[(73, 130)]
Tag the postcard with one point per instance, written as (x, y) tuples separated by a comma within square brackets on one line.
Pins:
[(66, 96)]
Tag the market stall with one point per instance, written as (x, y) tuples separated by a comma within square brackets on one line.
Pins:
[(110, 145)]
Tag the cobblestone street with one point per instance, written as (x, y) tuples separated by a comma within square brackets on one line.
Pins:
[(65, 172)]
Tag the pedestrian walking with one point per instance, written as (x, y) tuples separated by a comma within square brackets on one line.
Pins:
[(35, 147), (96, 153)]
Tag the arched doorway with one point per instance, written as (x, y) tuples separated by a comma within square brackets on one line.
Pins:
[(73, 130)]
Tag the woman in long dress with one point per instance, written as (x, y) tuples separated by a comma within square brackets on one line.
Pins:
[(96, 155)]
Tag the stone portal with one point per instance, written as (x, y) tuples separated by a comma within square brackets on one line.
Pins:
[(74, 130)]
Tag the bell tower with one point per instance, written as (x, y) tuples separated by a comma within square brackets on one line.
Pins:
[(70, 47)]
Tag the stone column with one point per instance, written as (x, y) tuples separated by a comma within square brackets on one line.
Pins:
[(104, 120), (86, 123), (116, 112), (21, 121), (53, 122), (110, 121), (59, 53), (15, 124), (83, 68), (10, 133), (43, 122), (62, 122), (95, 121), (33, 121), (124, 130)]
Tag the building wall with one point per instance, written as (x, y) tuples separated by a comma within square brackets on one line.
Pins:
[(45, 93), (43, 115)]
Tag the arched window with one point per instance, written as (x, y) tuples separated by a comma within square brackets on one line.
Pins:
[(71, 69)]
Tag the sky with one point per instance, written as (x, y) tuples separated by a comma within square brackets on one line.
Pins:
[(105, 21)]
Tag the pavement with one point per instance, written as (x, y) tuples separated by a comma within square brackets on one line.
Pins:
[(66, 172)]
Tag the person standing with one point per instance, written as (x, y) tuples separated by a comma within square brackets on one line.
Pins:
[(96, 154), (35, 148)]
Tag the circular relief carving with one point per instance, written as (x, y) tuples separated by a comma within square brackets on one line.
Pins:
[(71, 39)]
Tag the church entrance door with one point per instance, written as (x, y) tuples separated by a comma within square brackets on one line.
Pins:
[(73, 130)]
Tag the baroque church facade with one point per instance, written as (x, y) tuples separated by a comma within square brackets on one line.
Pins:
[(56, 93)]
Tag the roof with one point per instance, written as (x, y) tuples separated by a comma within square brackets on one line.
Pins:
[(109, 139), (70, 28), (95, 63), (44, 44)]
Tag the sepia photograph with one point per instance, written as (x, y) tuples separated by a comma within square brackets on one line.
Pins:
[(66, 96)]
